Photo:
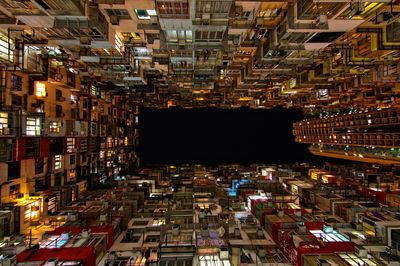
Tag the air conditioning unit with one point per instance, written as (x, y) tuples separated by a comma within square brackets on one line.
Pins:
[(6, 131), (259, 21), (206, 16), (9, 260), (51, 262), (58, 77), (207, 8), (380, 18), (114, 20), (182, 43), (153, 20), (322, 262), (85, 41), (356, 8), (150, 40), (61, 99), (224, 253), (238, 10), (236, 40), (103, 218), (322, 20), (360, 252)]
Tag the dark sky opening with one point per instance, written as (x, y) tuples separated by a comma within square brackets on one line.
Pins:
[(217, 136)]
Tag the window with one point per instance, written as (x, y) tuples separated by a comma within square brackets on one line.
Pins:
[(179, 35), (83, 147), (33, 126), (84, 158), (109, 142), (14, 191), (55, 127), (59, 96), (120, 13), (14, 171), (39, 165), (16, 82), (145, 14), (93, 90), (176, 9), (32, 147), (57, 162), (16, 100), (59, 111), (40, 89), (209, 35), (57, 179), (4, 124), (71, 80), (6, 47), (70, 144), (93, 129), (72, 159)]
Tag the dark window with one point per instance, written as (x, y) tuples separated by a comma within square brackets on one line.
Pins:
[(70, 79), (59, 111), (72, 160), (57, 179), (16, 100), (120, 13), (14, 191), (16, 82), (14, 170), (32, 147), (39, 165), (58, 95)]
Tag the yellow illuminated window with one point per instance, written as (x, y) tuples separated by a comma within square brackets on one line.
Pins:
[(6, 47), (55, 127), (109, 142), (70, 144), (3, 123), (40, 89)]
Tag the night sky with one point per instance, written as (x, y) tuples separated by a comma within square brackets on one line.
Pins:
[(216, 136)]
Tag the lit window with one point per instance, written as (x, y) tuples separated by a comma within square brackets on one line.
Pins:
[(93, 90), (57, 162), (70, 144), (109, 142), (4, 124), (33, 126), (40, 89), (151, 12), (101, 156), (6, 47), (55, 127)]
